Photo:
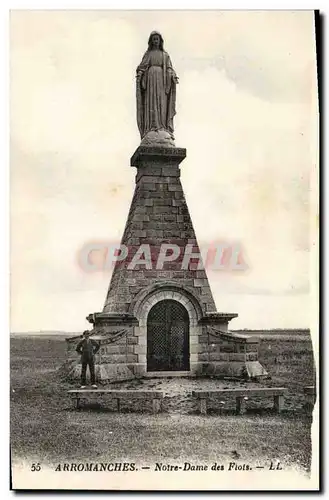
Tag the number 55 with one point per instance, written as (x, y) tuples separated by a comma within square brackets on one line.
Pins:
[(35, 467)]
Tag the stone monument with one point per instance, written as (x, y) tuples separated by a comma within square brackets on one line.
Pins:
[(161, 320)]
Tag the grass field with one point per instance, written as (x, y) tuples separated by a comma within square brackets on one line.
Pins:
[(45, 427)]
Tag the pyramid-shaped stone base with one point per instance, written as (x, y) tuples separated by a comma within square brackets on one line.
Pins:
[(159, 314)]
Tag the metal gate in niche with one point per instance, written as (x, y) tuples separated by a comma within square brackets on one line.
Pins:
[(168, 337)]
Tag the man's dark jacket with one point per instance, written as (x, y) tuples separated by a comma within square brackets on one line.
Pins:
[(87, 349)]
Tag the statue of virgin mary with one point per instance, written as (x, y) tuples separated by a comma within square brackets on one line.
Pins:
[(156, 94)]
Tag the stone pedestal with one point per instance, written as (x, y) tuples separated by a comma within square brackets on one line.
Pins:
[(159, 216)]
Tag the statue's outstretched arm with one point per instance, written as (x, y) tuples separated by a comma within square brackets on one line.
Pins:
[(172, 78), (171, 71), (142, 67)]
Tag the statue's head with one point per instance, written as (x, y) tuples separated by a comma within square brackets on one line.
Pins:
[(155, 41)]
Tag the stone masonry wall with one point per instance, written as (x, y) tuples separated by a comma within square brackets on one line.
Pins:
[(158, 214), (218, 348)]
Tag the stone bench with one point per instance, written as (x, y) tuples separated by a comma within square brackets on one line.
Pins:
[(155, 396), (240, 395), (310, 394)]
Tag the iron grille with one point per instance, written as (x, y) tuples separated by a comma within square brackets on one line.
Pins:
[(168, 337)]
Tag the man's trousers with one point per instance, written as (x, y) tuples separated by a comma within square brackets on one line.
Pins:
[(91, 363)]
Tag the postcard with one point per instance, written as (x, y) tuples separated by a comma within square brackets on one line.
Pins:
[(164, 250)]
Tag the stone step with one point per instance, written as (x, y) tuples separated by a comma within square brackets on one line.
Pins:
[(168, 374)]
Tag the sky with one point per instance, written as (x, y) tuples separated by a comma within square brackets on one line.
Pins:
[(246, 113)]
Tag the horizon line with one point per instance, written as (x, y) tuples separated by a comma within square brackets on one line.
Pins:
[(41, 332)]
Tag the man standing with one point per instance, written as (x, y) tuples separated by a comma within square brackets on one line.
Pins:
[(87, 348)]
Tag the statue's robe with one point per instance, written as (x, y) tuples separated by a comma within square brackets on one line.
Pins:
[(156, 93)]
